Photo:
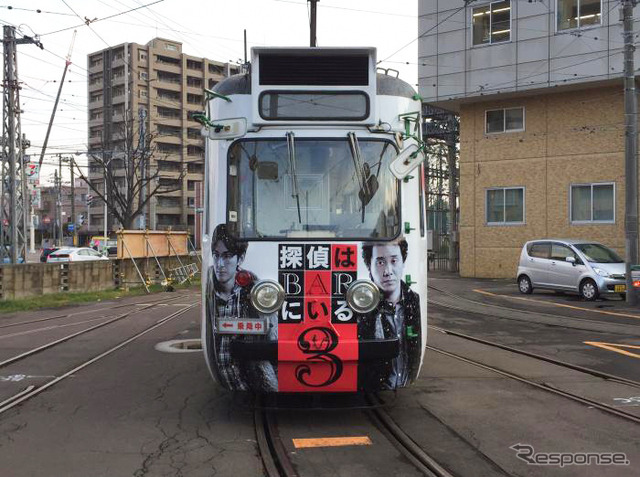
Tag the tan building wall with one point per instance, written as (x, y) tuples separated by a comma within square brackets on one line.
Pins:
[(572, 137)]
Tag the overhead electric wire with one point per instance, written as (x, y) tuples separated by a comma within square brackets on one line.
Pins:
[(86, 23), (158, 17), (22, 53), (9, 7), (322, 5), (425, 32)]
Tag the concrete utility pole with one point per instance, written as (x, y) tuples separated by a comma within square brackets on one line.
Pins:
[(60, 225), (313, 21), (56, 237), (73, 206), (453, 220), (143, 167), (630, 150)]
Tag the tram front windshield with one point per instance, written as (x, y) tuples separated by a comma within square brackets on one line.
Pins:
[(312, 188)]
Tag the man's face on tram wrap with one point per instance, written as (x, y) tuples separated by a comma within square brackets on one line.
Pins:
[(386, 269), (225, 264)]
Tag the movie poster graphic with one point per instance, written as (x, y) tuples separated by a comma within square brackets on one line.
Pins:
[(315, 342)]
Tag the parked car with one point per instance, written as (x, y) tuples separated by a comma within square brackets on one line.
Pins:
[(81, 254), (588, 268), (46, 251)]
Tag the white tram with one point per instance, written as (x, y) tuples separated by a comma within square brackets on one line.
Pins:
[(314, 241)]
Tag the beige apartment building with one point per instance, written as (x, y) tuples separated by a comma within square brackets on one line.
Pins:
[(168, 86), (538, 88), (555, 171)]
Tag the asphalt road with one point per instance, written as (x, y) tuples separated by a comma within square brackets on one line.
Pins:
[(120, 407)]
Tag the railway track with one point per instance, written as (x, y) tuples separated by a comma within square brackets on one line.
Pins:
[(277, 459), (32, 391), (459, 298), (51, 344), (590, 371), (565, 364), (85, 311), (544, 386)]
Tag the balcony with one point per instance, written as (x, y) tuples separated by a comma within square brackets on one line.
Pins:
[(95, 67), (171, 83), (96, 121), (168, 67), (117, 61)]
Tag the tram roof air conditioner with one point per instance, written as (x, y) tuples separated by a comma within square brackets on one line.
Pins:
[(313, 85)]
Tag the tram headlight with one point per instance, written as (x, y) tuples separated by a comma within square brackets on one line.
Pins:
[(267, 296), (363, 296)]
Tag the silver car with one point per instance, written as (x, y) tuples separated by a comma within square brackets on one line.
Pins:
[(589, 268)]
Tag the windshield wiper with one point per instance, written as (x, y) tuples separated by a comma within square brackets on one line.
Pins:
[(291, 146), (368, 183)]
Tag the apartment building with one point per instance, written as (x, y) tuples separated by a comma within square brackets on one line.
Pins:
[(167, 85), (538, 87)]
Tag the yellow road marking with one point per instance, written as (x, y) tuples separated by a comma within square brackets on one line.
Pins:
[(562, 305), (616, 348), (331, 442)]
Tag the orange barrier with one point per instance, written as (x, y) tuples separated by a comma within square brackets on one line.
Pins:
[(152, 243)]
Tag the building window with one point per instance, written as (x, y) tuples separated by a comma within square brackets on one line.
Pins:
[(504, 120), (144, 75), (194, 82), (142, 55), (593, 203), (170, 47), (505, 206), (491, 23), (578, 13)]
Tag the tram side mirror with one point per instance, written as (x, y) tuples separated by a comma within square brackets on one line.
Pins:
[(225, 128), (267, 171), (408, 159)]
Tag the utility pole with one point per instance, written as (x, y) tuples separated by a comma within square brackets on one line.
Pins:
[(245, 48), (73, 205), (60, 225), (143, 169), (56, 238), (453, 220), (630, 150), (13, 200), (313, 21)]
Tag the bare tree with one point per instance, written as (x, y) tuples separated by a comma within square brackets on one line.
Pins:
[(119, 163)]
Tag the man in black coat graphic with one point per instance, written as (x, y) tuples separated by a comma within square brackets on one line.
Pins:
[(397, 316)]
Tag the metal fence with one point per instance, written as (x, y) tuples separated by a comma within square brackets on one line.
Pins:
[(439, 252)]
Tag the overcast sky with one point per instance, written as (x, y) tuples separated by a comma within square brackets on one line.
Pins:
[(211, 29)]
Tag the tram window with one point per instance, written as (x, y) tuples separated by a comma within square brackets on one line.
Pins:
[(314, 105), (320, 198)]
